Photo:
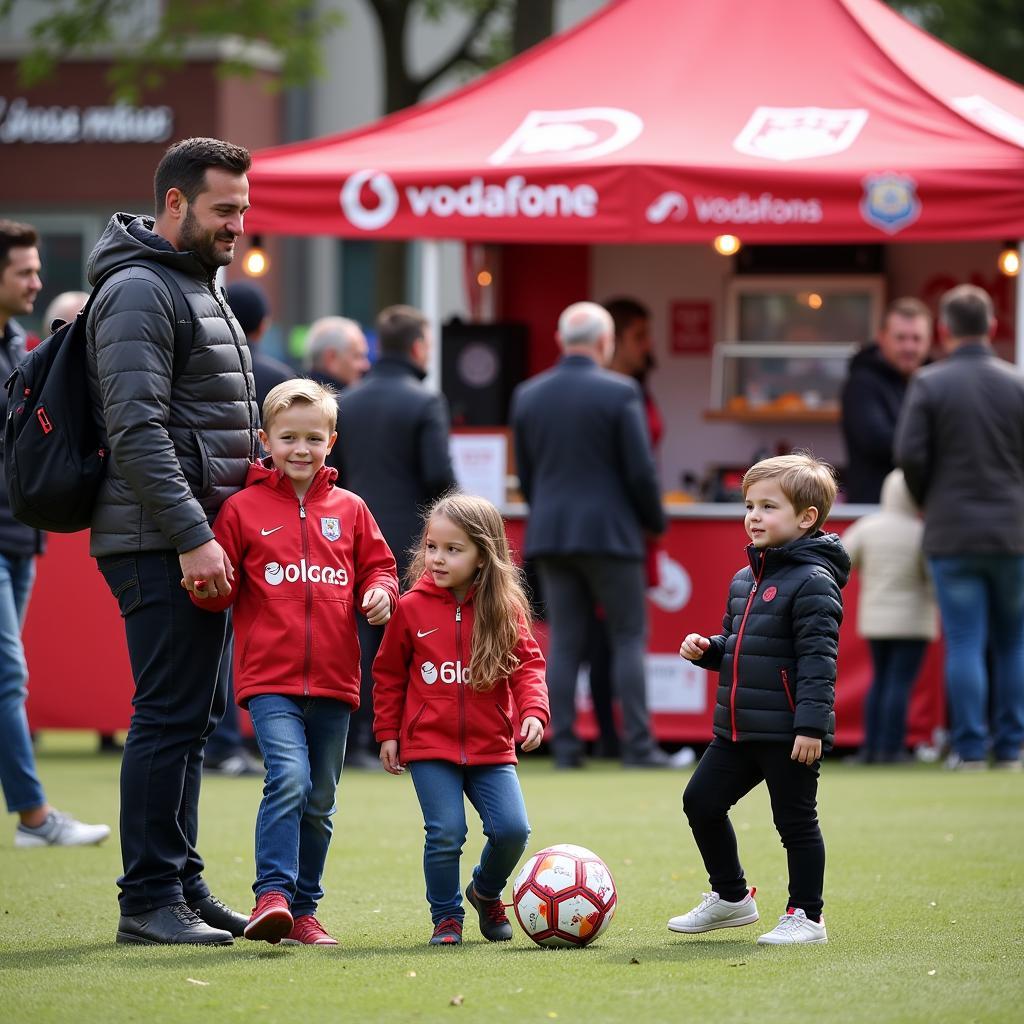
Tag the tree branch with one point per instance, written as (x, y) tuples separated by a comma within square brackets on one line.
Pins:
[(463, 50)]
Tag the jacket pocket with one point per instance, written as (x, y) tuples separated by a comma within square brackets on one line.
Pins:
[(205, 472), (414, 721), (784, 676), (506, 721)]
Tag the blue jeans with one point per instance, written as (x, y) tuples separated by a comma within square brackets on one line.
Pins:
[(981, 598), (896, 664), (303, 744), (493, 789), (22, 788)]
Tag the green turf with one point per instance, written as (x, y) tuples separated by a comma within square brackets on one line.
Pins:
[(922, 895)]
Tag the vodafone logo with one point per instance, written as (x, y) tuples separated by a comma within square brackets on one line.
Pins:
[(744, 208), (513, 197), (369, 218)]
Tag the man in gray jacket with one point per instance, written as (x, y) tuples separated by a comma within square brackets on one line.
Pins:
[(586, 468), (960, 443), (180, 437)]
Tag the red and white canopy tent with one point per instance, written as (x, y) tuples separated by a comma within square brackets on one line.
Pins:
[(674, 121)]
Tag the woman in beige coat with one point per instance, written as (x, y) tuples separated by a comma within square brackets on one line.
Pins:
[(896, 614)]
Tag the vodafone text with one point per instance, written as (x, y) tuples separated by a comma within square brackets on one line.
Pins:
[(762, 209), (511, 199), (275, 574)]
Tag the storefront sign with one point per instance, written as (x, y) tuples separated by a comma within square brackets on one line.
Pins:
[(119, 123), (690, 327)]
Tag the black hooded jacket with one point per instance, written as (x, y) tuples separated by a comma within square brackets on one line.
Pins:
[(777, 656), (178, 447), (872, 398)]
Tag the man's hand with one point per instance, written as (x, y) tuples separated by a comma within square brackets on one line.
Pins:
[(389, 757), (805, 750), (208, 566), (694, 646), (532, 733), (377, 606)]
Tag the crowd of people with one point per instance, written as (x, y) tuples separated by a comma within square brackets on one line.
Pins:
[(297, 545)]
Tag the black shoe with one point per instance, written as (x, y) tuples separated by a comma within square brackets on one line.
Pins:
[(494, 924), (218, 915), (656, 758), (173, 925)]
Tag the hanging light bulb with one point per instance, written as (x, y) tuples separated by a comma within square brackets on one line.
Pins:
[(727, 245), (1009, 260), (256, 262)]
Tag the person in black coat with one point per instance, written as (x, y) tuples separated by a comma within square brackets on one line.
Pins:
[(874, 392), (776, 659), (586, 468), (252, 311), (392, 451)]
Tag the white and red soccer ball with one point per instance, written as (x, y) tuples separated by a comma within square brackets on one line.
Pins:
[(564, 896)]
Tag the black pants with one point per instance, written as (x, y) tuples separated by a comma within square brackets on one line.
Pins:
[(175, 650), (725, 774)]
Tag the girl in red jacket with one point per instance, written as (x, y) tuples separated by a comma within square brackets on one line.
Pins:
[(457, 667), (307, 557)]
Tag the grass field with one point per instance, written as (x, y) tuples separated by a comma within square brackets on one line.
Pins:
[(922, 902)]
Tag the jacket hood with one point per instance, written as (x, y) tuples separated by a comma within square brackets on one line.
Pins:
[(265, 472), (896, 498), (869, 360), (818, 548), (130, 238), (426, 585)]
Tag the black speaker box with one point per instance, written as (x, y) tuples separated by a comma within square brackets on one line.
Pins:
[(480, 366)]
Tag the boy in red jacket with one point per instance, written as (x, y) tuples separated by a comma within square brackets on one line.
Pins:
[(307, 556), (457, 667)]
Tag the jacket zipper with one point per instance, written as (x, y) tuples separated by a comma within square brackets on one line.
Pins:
[(736, 650), (458, 682), (309, 603), (785, 686)]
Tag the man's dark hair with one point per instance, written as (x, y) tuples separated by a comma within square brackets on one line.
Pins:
[(398, 328), (14, 235), (185, 164), (624, 311), (966, 311)]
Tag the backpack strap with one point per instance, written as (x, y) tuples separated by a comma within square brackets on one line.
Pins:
[(184, 326)]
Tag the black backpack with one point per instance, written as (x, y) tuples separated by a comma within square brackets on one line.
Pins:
[(54, 460)]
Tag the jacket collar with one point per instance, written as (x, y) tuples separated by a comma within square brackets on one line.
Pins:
[(971, 350), (426, 585), (571, 361), (396, 366), (264, 472)]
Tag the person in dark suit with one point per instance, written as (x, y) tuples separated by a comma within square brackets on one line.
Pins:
[(587, 470), (392, 451)]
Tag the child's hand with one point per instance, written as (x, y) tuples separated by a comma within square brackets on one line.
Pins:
[(532, 733), (694, 646), (389, 757), (377, 606), (199, 589), (805, 750)]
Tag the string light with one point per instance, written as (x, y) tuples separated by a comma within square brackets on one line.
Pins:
[(727, 245), (256, 262)]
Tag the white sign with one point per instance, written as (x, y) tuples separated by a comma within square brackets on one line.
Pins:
[(674, 686), (799, 133), (121, 122), (481, 464), (581, 134)]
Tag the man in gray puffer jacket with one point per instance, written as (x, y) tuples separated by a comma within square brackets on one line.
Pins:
[(179, 443)]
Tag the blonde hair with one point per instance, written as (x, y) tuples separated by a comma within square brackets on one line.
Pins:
[(803, 479), (303, 390), (500, 603)]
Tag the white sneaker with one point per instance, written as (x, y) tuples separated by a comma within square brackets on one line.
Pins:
[(60, 829), (713, 912), (794, 926)]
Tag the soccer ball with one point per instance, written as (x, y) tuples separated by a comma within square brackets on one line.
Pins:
[(564, 896)]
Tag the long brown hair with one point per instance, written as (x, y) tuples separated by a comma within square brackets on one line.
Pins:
[(499, 600)]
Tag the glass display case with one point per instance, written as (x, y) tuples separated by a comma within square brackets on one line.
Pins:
[(758, 382)]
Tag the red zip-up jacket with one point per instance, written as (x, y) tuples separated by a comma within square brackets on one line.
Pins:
[(420, 696), (301, 570)]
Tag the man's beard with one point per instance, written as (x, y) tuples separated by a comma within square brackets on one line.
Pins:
[(203, 243)]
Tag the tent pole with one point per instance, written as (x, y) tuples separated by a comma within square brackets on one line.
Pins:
[(430, 304), (1018, 309)]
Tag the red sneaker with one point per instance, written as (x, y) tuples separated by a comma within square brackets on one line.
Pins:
[(447, 932), (308, 931), (271, 919)]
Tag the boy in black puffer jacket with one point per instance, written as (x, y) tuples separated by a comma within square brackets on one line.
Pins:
[(776, 660)]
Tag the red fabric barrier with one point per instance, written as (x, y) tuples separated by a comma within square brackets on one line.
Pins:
[(81, 677)]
